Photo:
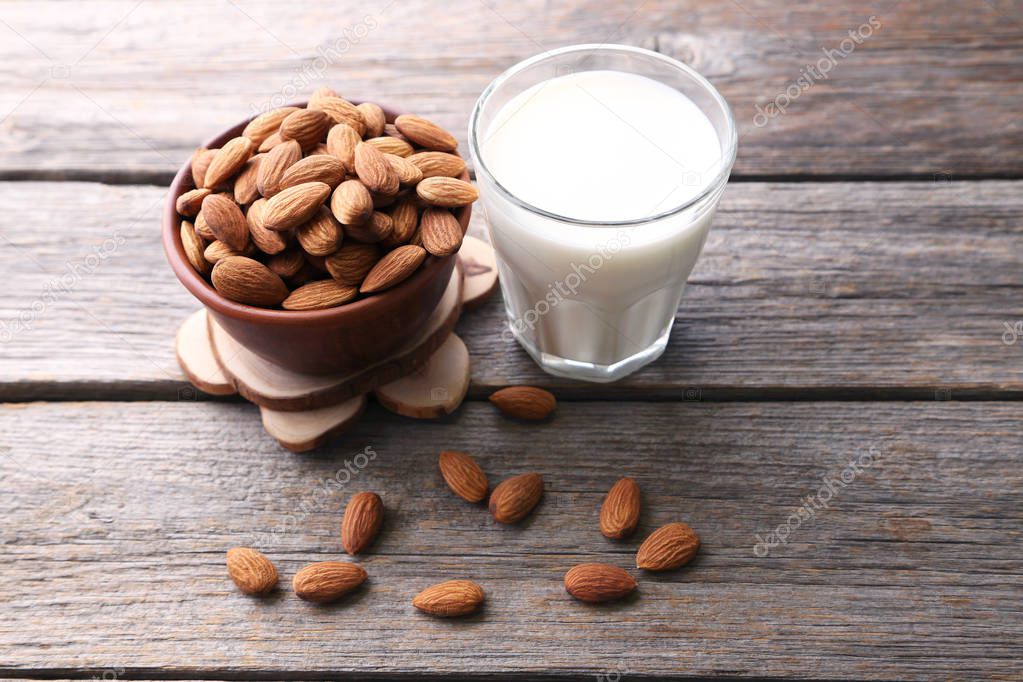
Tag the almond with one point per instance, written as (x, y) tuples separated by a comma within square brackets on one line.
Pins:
[(269, 143), (393, 269), (190, 203), (268, 241), (438, 164), (201, 160), (408, 172), (226, 220), (524, 402), (228, 160), (341, 142), (217, 250), (319, 94), (327, 581), (362, 520), (463, 475), (377, 228), (374, 118), (390, 145), (248, 281), (352, 203), (246, 190), (251, 571), (287, 263), (266, 124), (405, 220), (194, 246), (515, 497), (374, 171), (324, 293), (320, 168), (595, 583), (293, 206), (440, 231), (447, 192), (308, 127), (352, 263), (320, 235), (425, 133), (321, 148), (450, 599), (668, 547), (619, 515), (202, 229), (273, 166), (339, 110)]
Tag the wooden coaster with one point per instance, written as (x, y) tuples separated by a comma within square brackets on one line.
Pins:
[(195, 356), (303, 431), (479, 263), (274, 387), (435, 389)]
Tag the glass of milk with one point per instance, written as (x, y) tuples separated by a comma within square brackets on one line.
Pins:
[(600, 168)]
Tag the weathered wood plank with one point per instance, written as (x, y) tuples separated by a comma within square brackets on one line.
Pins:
[(820, 290), (116, 518), (124, 91)]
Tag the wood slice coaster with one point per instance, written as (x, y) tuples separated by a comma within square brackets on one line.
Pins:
[(274, 387), (303, 431), (479, 264), (435, 389), (196, 358)]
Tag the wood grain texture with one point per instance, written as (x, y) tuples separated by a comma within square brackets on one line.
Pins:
[(124, 91), (117, 517), (862, 290)]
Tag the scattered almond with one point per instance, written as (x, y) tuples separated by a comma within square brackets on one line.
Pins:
[(463, 475), (248, 281), (524, 402), (390, 145), (340, 110), (201, 160), (596, 583), (269, 143), (619, 515), (362, 520), (378, 228), (515, 497), (268, 241), (323, 168), (408, 172), (287, 263), (374, 118), (405, 221), (245, 188), (450, 599), (668, 547), (327, 581), (393, 269), (217, 250), (341, 142), (266, 124), (251, 571), (194, 247), (425, 133), (447, 192)]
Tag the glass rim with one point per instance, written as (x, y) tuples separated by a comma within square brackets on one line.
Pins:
[(728, 158)]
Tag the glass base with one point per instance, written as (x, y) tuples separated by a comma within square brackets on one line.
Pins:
[(588, 371)]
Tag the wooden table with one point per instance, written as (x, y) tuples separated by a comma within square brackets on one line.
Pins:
[(860, 296)]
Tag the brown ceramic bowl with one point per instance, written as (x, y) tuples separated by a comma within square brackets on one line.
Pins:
[(342, 339)]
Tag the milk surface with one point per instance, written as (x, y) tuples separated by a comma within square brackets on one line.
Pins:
[(597, 146)]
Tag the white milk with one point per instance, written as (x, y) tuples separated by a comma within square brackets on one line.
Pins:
[(597, 146)]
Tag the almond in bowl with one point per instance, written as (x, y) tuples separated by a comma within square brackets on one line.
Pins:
[(301, 230)]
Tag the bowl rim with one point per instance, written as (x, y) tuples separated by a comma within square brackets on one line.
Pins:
[(197, 285)]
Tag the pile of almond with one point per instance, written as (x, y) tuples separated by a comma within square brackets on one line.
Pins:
[(313, 207)]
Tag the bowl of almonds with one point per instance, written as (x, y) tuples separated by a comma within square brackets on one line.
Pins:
[(320, 235)]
